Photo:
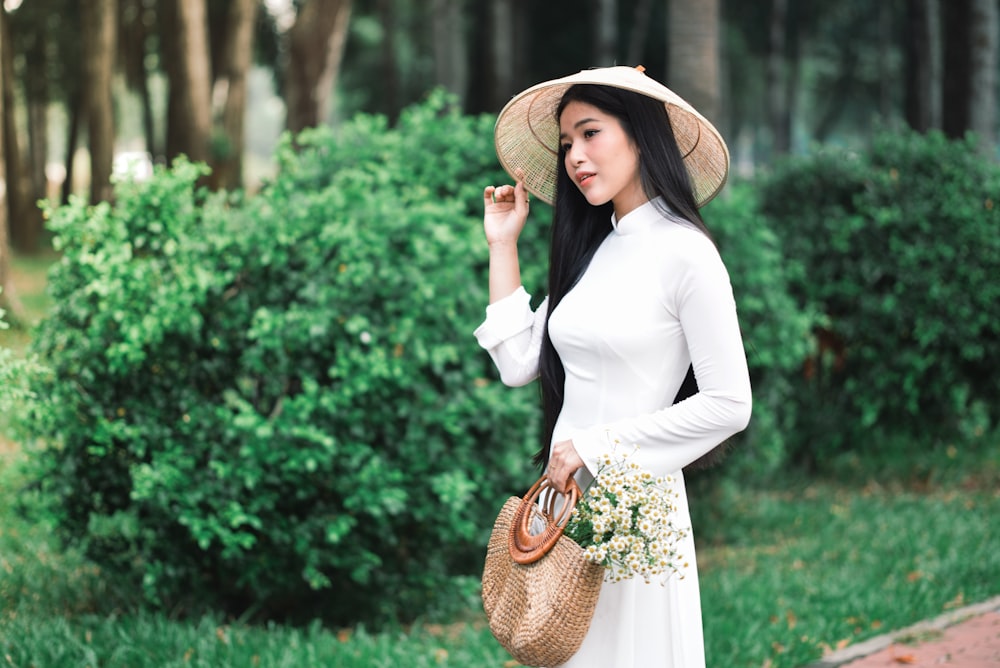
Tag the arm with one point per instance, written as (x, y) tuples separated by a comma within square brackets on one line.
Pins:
[(511, 333), (698, 292), (505, 212)]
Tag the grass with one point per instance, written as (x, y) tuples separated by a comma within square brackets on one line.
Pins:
[(791, 574), (28, 274), (796, 573), (58, 611), (787, 573)]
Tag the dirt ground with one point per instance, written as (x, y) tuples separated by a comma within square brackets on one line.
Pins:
[(967, 638), (974, 643)]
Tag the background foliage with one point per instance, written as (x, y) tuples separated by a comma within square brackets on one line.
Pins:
[(272, 405), (893, 247), (777, 330), (277, 401)]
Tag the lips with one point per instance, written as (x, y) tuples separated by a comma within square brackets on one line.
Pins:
[(583, 178)]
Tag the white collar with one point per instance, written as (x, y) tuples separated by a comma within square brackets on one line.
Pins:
[(640, 218)]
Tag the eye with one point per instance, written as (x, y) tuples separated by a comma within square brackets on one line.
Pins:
[(587, 134), (567, 146)]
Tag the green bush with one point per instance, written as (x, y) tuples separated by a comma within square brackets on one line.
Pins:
[(898, 249), (275, 405), (776, 329), (15, 374)]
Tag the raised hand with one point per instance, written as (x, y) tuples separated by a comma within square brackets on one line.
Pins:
[(506, 210)]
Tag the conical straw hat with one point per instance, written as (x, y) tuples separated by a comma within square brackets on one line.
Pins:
[(527, 131)]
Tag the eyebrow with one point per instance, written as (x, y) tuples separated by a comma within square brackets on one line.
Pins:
[(582, 121)]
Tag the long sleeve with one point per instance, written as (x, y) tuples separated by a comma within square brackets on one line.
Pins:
[(512, 334), (676, 435), (656, 298)]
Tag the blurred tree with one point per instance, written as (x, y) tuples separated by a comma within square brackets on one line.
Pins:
[(778, 98), (184, 39), (67, 77), (503, 51), (22, 216), (229, 93), (8, 299), (969, 88), (451, 47), (135, 20), (606, 35), (922, 43), (315, 48), (638, 35), (30, 32), (775, 75), (389, 64), (693, 57), (984, 17), (99, 20)]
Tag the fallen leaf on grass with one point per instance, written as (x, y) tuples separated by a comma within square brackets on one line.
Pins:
[(956, 602)]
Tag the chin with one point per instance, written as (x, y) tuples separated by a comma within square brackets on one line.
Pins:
[(595, 199)]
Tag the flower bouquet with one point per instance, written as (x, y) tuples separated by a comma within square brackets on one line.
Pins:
[(624, 521)]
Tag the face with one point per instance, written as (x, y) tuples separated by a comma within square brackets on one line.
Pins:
[(601, 159)]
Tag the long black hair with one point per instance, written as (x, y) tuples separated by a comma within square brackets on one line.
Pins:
[(578, 228)]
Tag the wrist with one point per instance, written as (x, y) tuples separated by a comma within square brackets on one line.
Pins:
[(503, 245)]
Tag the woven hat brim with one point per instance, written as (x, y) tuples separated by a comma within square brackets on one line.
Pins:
[(526, 133)]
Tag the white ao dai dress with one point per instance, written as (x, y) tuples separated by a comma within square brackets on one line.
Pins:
[(655, 299)]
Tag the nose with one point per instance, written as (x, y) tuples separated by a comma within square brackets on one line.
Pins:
[(574, 156)]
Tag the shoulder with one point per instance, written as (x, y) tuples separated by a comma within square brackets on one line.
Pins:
[(688, 263), (683, 244)]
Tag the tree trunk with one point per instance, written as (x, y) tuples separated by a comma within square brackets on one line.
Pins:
[(693, 55), (639, 32), (316, 46), (391, 93), (956, 93), (923, 65), (8, 297), (133, 37), (605, 32), (99, 19), (37, 96), (451, 57), (985, 24), (502, 36), (23, 216), (777, 79), (887, 73), (72, 139), (189, 115), (230, 92)]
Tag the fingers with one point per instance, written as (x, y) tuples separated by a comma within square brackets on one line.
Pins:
[(521, 198), (563, 463), (516, 194), (559, 480), (498, 194)]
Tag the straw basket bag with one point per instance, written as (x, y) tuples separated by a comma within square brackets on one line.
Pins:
[(539, 590)]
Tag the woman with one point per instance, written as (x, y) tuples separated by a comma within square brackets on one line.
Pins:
[(637, 295)]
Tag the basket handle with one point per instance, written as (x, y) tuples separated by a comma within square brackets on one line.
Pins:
[(527, 548)]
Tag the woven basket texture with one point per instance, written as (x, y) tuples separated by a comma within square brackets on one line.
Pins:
[(538, 612)]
